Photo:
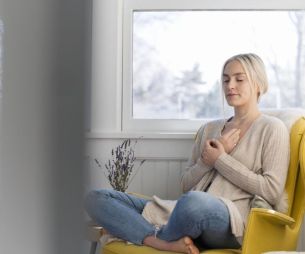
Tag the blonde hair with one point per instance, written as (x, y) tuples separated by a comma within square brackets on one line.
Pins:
[(255, 71)]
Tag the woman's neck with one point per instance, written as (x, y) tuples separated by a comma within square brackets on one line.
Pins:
[(241, 120), (241, 116)]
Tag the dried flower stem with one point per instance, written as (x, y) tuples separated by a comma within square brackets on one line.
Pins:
[(120, 166)]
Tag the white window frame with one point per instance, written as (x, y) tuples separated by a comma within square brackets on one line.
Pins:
[(168, 126)]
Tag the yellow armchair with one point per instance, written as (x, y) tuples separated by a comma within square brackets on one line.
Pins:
[(267, 230)]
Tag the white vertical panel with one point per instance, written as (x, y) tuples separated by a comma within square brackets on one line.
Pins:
[(136, 184), (183, 167), (173, 181), (160, 180), (148, 177), (97, 176), (106, 65), (155, 177)]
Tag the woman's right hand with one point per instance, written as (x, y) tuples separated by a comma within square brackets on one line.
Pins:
[(229, 139), (211, 151)]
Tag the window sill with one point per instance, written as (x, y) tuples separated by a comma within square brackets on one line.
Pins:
[(143, 135)]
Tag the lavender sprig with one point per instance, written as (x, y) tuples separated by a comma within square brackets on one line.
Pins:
[(120, 167)]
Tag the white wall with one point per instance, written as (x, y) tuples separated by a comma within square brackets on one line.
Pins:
[(160, 173), (106, 83)]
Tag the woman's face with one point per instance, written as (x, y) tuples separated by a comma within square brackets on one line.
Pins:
[(236, 86)]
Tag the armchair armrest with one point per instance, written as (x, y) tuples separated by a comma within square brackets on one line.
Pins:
[(273, 216), (267, 230)]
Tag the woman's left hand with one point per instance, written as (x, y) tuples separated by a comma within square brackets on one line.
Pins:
[(211, 151)]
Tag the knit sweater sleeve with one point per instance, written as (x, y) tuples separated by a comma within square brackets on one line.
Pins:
[(270, 182), (195, 168)]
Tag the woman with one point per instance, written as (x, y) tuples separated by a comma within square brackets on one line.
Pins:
[(233, 163)]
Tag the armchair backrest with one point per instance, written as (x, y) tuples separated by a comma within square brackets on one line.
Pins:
[(295, 123), (295, 180), (295, 185)]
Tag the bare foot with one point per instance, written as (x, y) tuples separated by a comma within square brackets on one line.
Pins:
[(191, 247), (183, 245), (103, 231)]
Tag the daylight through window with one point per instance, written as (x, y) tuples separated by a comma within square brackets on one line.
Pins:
[(178, 55)]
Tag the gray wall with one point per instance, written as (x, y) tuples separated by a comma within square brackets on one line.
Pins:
[(45, 51)]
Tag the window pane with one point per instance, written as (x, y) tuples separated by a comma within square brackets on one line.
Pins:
[(178, 55)]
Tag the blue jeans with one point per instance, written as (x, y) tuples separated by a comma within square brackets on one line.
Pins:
[(198, 215)]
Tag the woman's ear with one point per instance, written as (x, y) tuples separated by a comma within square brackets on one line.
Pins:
[(258, 92), (258, 97)]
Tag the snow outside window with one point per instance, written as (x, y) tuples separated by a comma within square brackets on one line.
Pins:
[(176, 57)]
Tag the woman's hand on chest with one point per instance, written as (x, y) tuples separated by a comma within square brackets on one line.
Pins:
[(229, 139), (212, 149)]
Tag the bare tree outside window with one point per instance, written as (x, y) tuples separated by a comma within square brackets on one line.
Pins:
[(298, 20), (178, 55)]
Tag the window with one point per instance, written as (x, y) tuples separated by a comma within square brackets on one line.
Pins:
[(172, 66)]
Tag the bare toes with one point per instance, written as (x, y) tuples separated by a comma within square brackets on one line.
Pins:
[(191, 247), (188, 241)]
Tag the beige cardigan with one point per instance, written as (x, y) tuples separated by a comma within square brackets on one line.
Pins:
[(257, 166)]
